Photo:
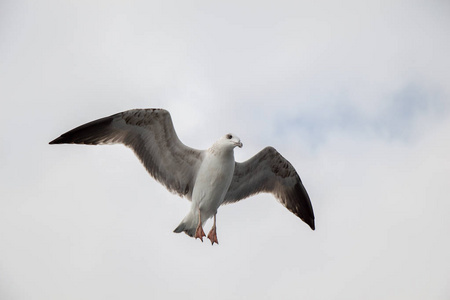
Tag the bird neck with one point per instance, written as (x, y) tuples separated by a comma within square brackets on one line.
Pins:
[(221, 151)]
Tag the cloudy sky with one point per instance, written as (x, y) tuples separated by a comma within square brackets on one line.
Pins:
[(355, 94)]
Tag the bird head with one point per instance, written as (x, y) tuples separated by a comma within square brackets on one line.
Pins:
[(231, 140), (226, 144)]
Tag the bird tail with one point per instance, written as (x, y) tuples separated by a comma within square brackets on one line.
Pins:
[(189, 224)]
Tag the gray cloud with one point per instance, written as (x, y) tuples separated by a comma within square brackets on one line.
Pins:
[(397, 119)]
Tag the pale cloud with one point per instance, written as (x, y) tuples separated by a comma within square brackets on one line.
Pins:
[(397, 118), (354, 94)]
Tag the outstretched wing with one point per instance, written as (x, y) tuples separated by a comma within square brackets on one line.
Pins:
[(150, 133), (270, 172)]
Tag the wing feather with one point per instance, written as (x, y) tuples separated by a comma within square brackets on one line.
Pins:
[(151, 135), (268, 171)]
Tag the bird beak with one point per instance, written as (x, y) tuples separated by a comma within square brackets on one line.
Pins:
[(239, 144)]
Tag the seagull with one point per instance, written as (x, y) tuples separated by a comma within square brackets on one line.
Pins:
[(208, 178)]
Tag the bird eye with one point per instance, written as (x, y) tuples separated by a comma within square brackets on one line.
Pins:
[(229, 136)]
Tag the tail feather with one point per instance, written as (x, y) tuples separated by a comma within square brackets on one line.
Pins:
[(188, 225), (182, 227)]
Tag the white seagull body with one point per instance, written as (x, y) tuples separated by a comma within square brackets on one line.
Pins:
[(209, 178)]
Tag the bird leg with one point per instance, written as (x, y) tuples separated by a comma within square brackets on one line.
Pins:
[(212, 234), (199, 233)]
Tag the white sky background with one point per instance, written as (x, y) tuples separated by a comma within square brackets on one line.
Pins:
[(356, 95)]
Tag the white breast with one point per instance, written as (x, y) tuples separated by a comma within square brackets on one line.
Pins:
[(212, 183)]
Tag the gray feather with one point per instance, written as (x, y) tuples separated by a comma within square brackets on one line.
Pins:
[(150, 133), (268, 171)]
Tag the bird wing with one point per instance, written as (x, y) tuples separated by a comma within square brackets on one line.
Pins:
[(150, 133), (270, 172)]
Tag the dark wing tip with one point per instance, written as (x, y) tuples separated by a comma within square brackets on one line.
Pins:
[(311, 224), (91, 133), (302, 206), (308, 219), (59, 140)]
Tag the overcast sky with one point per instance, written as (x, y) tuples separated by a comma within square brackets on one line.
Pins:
[(355, 94)]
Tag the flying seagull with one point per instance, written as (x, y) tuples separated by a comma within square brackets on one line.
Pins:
[(208, 178)]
